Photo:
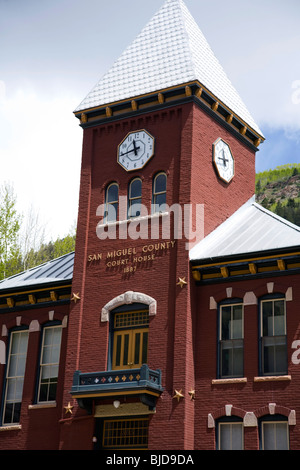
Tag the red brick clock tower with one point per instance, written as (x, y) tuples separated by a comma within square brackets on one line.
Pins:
[(168, 155)]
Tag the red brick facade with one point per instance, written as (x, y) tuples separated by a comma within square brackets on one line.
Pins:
[(183, 328)]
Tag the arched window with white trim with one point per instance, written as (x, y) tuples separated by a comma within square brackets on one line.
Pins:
[(134, 198), (111, 202), (159, 195)]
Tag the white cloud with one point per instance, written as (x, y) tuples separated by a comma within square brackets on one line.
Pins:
[(40, 154)]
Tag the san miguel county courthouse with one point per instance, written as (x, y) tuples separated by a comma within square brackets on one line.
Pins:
[(143, 340)]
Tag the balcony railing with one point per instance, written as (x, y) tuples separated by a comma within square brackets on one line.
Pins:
[(103, 383)]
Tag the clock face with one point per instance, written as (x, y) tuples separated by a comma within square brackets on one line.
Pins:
[(223, 160), (136, 150)]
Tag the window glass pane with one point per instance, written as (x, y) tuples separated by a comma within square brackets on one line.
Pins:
[(111, 212), (112, 193), (135, 189), (282, 436), (274, 355), (160, 201), (237, 326), (145, 348), (15, 377), (275, 436), (232, 358), (137, 348), (125, 353), (160, 183), (230, 436), (267, 318), (135, 208), (226, 318), (279, 317), (118, 351), (49, 363)]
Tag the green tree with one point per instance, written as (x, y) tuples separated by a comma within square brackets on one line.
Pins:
[(10, 223)]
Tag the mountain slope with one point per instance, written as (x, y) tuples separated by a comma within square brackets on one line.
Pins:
[(279, 191)]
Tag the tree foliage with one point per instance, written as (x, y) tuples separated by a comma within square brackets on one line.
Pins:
[(22, 244), (279, 191)]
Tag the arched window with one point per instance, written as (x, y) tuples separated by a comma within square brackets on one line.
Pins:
[(159, 197), (134, 198), (112, 202)]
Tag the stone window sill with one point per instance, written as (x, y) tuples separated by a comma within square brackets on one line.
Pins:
[(12, 427), (229, 381), (40, 406), (272, 378)]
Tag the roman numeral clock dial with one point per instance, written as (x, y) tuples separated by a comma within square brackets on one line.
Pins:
[(135, 150)]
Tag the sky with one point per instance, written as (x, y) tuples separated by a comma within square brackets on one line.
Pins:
[(53, 52)]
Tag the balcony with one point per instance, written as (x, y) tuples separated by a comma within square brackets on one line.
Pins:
[(142, 382)]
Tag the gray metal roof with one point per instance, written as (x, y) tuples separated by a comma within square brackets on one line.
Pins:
[(251, 229), (59, 269), (170, 51)]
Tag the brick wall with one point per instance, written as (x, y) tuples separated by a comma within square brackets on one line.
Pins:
[(39, 426), (184, 137)]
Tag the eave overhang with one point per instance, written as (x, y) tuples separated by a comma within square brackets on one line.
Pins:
[(191, 91), (246, 266), (35, 296)]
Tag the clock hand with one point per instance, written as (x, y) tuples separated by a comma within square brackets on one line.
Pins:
[(135, 149)]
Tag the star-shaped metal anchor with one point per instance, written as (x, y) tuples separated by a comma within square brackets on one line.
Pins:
[(69, 408), (181, 282), (75, 297), (178, 395)]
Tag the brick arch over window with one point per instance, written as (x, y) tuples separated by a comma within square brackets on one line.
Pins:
[(273, 408), (128, 298)]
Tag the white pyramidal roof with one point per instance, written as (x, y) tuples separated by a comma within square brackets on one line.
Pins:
[(251, 229), (170, 51)]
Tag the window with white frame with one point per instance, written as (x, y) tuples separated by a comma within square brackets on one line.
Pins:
[(159, 196), (135, 198), (14, 378), (274, 433), (230, 434), (111, 202), (231, 340), (49, 363), (273, 341)]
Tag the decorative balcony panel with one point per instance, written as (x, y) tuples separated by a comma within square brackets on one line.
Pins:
[(117, 382)]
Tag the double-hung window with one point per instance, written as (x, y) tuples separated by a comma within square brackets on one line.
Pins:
[(14, 379), (273, 341), (231, 340), (274, 433), (49, 363)]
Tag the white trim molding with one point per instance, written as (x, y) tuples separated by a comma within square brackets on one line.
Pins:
[(128, 298)]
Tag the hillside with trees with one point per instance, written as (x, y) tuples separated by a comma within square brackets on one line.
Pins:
[(22, 239), (279, 191)]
